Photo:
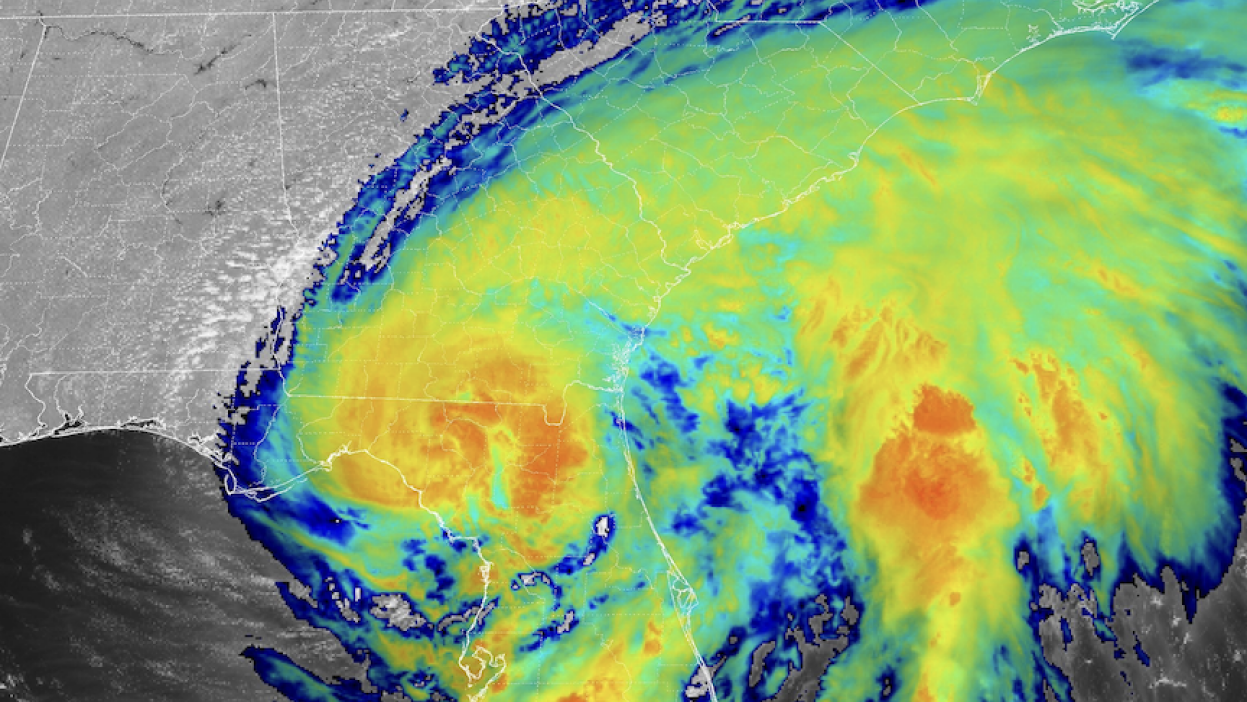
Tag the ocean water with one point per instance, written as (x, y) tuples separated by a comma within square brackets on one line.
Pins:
[(122, 577)]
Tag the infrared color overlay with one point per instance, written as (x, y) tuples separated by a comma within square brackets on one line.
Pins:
[(665, 388)]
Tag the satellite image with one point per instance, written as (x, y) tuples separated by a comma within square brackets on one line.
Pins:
[(609, 350)]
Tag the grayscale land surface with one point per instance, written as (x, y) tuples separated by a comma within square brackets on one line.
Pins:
[(167, 175)]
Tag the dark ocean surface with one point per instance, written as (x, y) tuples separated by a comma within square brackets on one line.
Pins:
[(122, 577)]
